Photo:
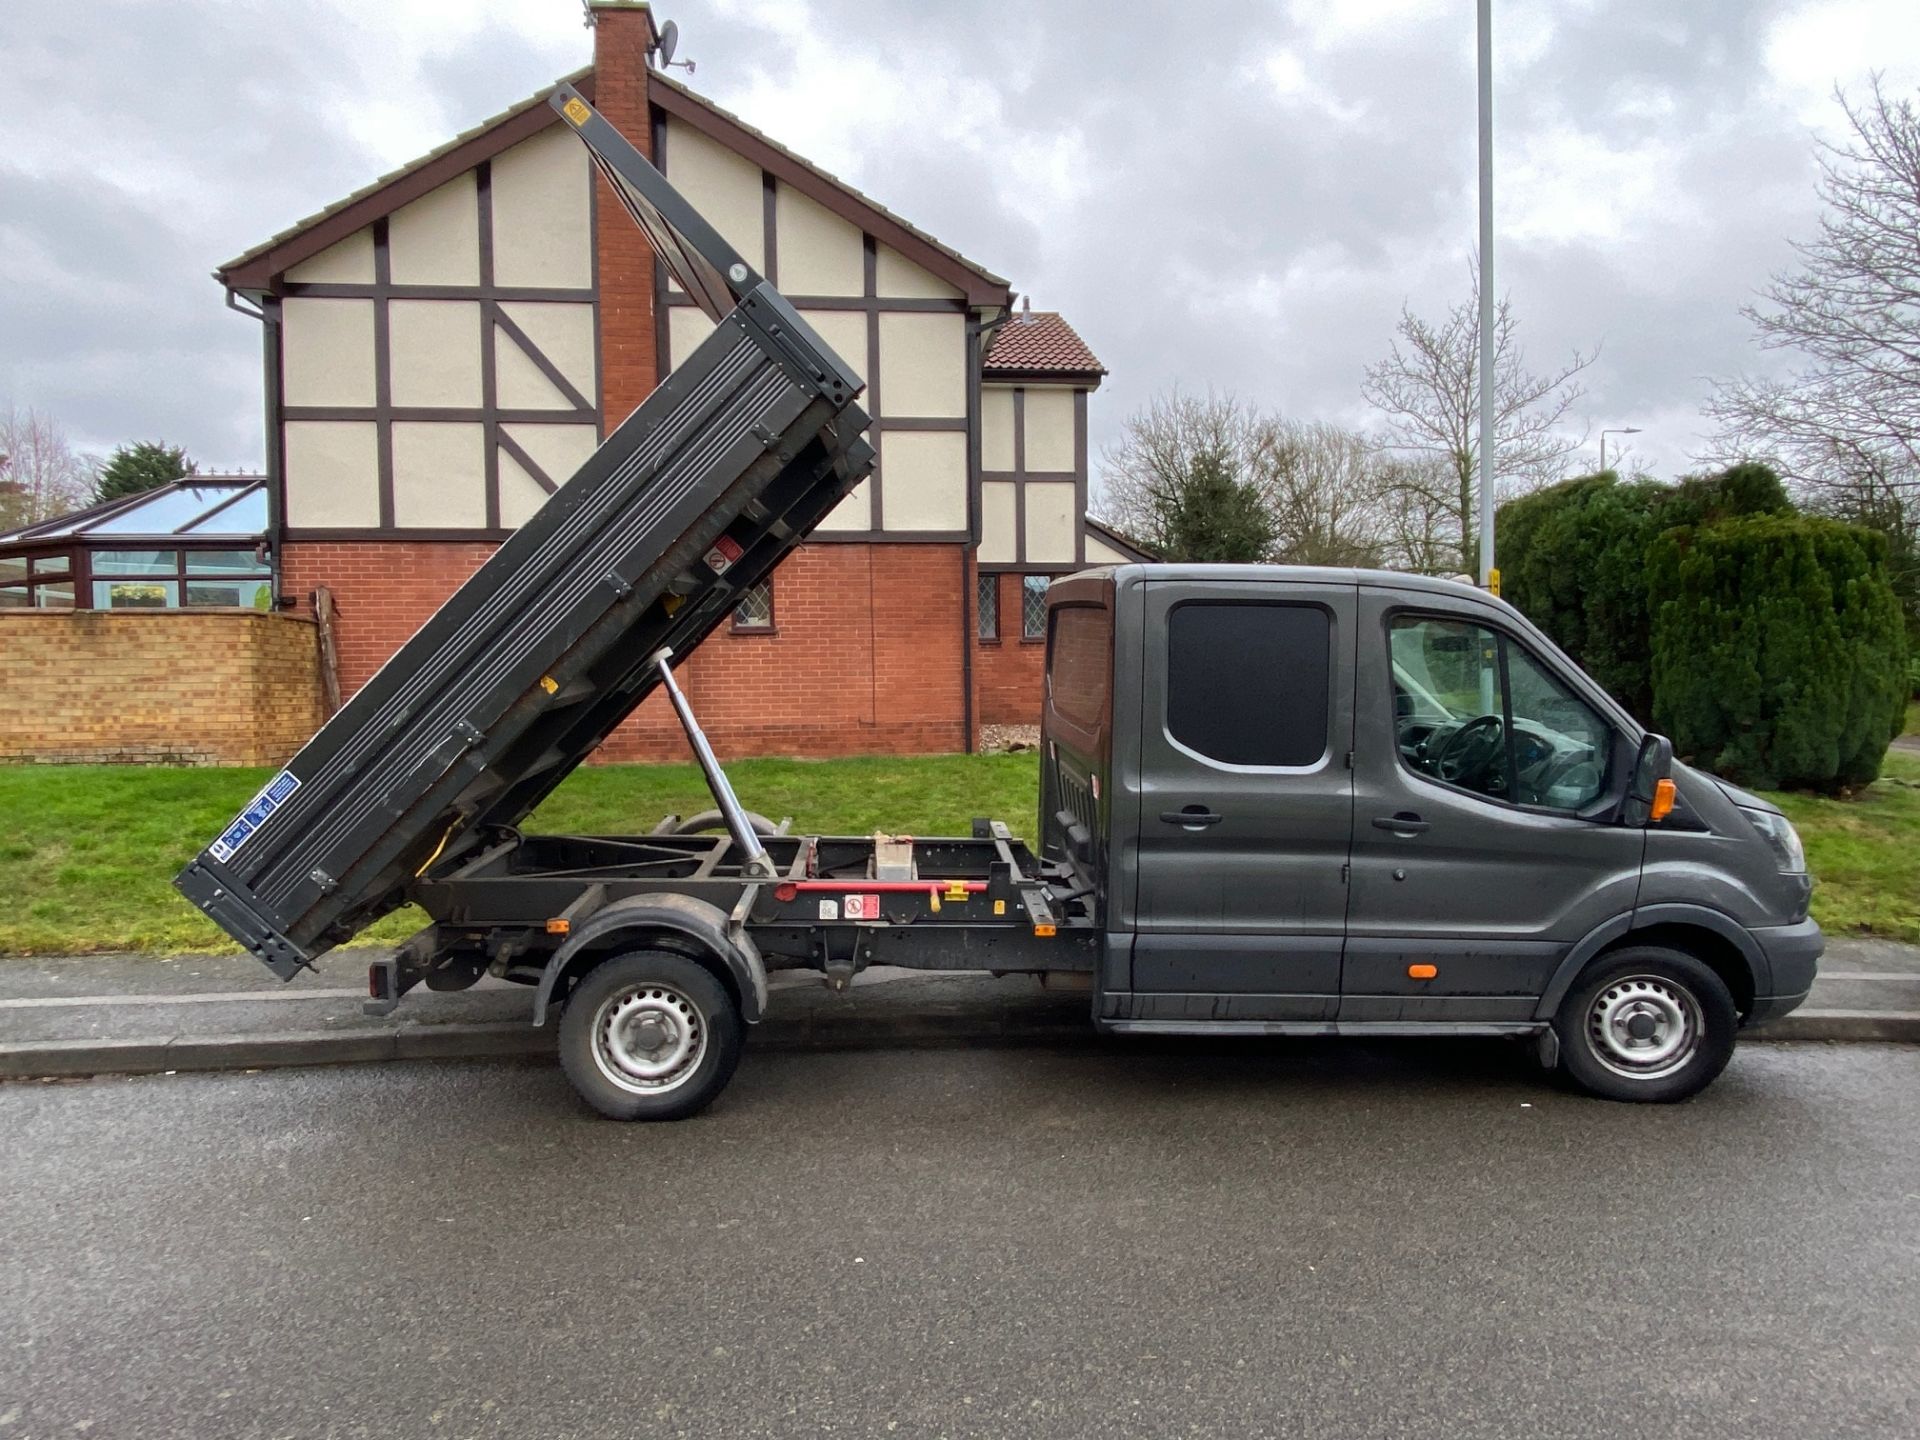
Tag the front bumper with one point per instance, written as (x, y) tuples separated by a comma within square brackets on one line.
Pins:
[(1793, 958)]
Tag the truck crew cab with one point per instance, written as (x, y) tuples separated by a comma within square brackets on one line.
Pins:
[(1272, 800), (1317, 801)]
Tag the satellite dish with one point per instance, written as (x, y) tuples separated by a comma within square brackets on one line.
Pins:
[(669, 38)]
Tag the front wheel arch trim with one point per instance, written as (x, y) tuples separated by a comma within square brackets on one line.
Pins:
[(1655, 923)]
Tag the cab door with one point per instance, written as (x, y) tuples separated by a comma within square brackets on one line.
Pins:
[(1485, 839), (1246, 801)]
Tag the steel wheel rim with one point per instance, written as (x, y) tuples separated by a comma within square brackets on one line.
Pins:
[(1644, 1027), (648, 1039)]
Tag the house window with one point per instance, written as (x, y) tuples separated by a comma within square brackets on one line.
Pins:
[(43, 583), (1033, 607), (755, 608), (987, 607), (168, 579)]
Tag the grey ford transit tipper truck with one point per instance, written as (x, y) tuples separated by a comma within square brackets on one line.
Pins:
[(1273, 801)]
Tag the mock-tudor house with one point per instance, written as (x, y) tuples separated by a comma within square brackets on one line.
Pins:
[(445, 346)]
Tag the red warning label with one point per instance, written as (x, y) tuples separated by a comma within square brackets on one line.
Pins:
[(725, 551), (861, 907)]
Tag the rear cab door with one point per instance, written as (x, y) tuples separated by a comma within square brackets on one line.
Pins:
[(1243, 795)]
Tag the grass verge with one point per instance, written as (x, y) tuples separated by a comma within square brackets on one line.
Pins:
[(88, 853), (1864, 852)]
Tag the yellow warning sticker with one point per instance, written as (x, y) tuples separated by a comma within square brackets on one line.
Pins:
[(999, 907), (576, 110), (549, 684)]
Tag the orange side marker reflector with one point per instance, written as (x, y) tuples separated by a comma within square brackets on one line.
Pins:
[(1422, 972), (559, 927), (1045, 932), (1664, 794)]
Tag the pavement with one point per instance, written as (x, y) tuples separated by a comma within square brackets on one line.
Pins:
[(1311, 1239), (84, 1015)]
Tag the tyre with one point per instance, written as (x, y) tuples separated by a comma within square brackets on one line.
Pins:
[(1646, 1023), (650, 1035)]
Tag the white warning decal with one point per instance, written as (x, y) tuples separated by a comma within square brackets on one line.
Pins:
[(271, 797), (862, 907), (829, 909)]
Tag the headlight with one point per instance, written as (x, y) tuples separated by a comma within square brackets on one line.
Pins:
[(1781, 838)]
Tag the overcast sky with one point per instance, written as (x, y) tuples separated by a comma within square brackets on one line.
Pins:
[(1238, 196)]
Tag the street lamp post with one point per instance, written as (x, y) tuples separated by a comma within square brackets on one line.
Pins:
[(1624, 430), (1484, 36)]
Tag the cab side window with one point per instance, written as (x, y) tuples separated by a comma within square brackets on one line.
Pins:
[(1475, 710), (1247, 682)]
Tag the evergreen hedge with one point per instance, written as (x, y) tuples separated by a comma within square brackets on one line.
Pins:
[(1779, 650), (1755, 637)]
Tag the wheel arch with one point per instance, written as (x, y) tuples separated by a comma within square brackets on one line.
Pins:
[(1715, 939), (681, 924)]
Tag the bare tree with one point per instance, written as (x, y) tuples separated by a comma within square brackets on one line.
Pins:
[(1180, 479), (1844, 429), (1428, 390), (1327, 490), (40, 475)]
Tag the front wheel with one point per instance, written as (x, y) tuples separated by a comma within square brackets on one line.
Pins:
[(650, 1036), (1646, 1023)]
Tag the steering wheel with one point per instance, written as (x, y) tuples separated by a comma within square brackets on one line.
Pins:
[(1468, 751)]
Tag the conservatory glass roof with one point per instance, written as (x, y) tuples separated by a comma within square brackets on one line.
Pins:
[(198, 507)]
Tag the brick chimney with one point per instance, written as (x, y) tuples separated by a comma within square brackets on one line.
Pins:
[(623, 36)]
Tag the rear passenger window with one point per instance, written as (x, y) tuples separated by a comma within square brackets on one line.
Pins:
[(1247, 682), (1080, 664)]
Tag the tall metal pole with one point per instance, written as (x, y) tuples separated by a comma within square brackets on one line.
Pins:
[(1486, 293)]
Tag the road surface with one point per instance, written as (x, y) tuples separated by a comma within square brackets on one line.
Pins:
[(1157, 1240)]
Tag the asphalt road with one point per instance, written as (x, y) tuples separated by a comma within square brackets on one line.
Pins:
[(1303, 1239)]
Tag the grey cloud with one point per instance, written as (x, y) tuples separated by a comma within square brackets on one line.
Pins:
[(1225, 234)]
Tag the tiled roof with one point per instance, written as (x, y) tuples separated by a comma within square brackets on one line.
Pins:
[(579, 77), (1039, 341)]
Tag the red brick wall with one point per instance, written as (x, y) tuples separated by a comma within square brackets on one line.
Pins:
[(629, 348), (383, 590), (865, 657), (1009, 673)]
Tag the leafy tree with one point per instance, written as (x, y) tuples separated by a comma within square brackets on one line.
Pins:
[(1428, 390), (1213, 516), (1779, 654), (1574, 560), (139, 467)]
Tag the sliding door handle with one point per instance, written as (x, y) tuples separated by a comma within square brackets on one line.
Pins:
[(1405, 823), (1194, 817)]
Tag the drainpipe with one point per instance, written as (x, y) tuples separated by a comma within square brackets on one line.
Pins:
[(269, 317)]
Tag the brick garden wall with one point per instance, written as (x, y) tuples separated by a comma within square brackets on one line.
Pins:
[(174, 687), (865, 657)]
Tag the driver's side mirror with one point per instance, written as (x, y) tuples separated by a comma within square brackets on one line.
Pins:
[(1650, 788)]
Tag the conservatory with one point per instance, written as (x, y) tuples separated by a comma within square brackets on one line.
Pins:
[(199, 543)]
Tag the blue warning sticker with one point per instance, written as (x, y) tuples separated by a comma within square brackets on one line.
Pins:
[(271, 797)]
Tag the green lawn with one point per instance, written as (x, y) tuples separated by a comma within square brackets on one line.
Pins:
[(88, 853), (1865, 853)]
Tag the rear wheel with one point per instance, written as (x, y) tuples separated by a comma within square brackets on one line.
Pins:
[(1646, 1023), (650, 1036)]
